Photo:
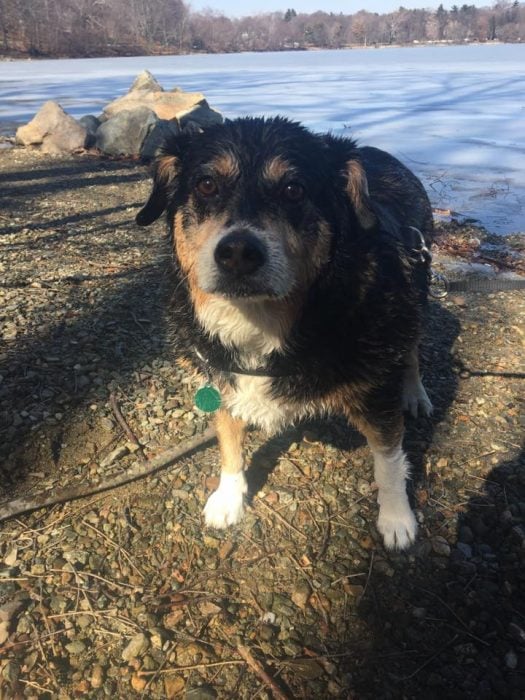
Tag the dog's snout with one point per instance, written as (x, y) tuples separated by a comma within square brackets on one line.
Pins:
[(240, 253)]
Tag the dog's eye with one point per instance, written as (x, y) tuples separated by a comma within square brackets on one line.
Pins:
[(293, 192), (207, 187)]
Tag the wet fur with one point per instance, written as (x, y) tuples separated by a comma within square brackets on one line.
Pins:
[(342, 338)]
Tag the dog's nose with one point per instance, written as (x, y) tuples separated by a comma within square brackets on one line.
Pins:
[(240, 253)]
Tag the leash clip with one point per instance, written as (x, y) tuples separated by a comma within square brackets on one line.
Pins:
[(425, 256), (439, 285)]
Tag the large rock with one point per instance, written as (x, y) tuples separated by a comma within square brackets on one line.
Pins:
[(158, 137), (200, 115), (176, 104), (146, 81), (124, 133), (90, 124), (166, 105), (56, 131)]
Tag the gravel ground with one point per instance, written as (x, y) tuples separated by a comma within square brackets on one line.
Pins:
[(127, 595)]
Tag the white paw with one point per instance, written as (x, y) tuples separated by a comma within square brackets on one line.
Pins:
[(397, 523), (226, 505), (415, 399)]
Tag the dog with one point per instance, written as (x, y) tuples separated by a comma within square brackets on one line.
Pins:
[(304, 260)]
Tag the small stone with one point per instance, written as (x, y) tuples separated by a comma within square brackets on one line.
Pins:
[(204, 692), (353, 589), (364, 487), (300, 594), (208, 608), (511, 660), (225, 550), (11, 671), (76, 647), (173, 686), (517, 633), (466, 534), (113, 456), (465, 549), (97, 676), (138, 645), (138, 683), (266, 632)]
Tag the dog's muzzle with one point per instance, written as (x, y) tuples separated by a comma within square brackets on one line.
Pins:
[(240, 254)]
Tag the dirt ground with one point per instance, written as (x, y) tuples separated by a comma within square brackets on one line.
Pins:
[(127, 595)]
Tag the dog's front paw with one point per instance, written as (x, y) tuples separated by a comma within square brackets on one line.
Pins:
[(397, 524), (226, 505), (416, 400)]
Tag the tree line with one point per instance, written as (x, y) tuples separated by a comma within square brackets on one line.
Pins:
[(78, 28)]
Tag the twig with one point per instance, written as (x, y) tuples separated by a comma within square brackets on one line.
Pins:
[(259, 671), (431, 658), (454, 614), (125, 427), (280, 518), (368, 576), (193, 667), (118, 547), (138, 471)]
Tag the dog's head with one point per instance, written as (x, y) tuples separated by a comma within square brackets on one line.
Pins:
[(254, 205)]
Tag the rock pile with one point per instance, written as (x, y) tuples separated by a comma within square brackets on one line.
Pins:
[(133, 124)]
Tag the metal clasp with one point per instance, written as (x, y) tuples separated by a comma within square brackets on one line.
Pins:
[(425, 256), (439, 285)]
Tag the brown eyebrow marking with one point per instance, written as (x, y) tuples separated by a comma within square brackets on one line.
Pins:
[(226, 165), (276, 168)]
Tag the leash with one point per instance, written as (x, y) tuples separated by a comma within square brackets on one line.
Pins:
[(441, 286)]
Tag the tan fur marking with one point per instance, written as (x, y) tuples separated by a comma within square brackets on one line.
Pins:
[(276, 168), (187, 246), (230, 433), (226, 165), (167, 168), (357, 189)]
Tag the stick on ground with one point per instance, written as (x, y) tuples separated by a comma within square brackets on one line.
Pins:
[(259, 671), (138, 471)]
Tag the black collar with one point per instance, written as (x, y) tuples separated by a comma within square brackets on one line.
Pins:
[(216, 358)]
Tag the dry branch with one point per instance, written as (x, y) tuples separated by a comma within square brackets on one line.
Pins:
[(137, 471)]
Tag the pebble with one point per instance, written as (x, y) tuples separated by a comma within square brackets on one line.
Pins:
[(511, 660), (465, 549), (203, 692), (136, 646), (113, 456), (97, 676), (76, 647), (465, 534), (300, 594), (138, 683)]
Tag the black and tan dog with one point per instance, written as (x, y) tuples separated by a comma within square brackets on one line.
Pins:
[(301, 255)]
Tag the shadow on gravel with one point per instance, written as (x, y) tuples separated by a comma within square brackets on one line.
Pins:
[(71, 363), (454, 627)]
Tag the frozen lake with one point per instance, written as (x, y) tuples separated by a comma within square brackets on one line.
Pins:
[(455, 115)]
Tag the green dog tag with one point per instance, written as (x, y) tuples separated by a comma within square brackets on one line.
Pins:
[(207, 398)]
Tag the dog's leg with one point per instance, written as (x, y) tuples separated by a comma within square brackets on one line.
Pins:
[(396, 522), (415, 398), (226, 505)]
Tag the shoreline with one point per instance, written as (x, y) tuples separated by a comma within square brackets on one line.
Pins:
[(350, 47)]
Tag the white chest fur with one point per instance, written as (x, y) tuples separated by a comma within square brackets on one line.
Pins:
[(252, 401)]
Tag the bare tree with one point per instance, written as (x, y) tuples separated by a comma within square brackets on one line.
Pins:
[(123, 27)]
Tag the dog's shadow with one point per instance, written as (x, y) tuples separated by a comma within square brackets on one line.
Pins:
[(440, 380)]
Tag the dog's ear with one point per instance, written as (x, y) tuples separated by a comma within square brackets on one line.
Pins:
[(166, 170), (357, 191)]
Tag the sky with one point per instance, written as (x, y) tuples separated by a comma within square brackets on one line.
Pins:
[(233, 8)]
